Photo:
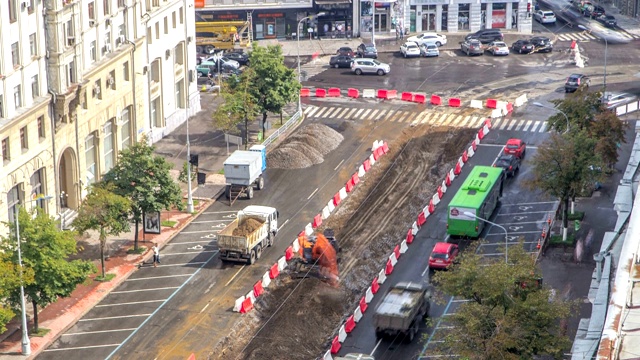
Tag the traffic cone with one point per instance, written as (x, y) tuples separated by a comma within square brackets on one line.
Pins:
[(549, 220), (539, 245), (544, 233)]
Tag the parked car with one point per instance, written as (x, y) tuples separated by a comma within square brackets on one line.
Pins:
[(472, 47), (614, 99), (211, 67), (541, 44), (498, 48), (429, 38), (443, 255), (345, 50), (515, 147), (593, 11), (240, 58), (510, 164), (576, 81), (367, 51), (410, 49), (225, 62), (545, 17), (486, 35), (607, 20), (522, 46), (369, 66), (341, 61), (429, 50)]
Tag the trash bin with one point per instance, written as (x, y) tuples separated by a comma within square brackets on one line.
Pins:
[(202, 178)]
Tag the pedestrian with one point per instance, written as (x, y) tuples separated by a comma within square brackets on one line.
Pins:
[(401, 34), (156, 255)]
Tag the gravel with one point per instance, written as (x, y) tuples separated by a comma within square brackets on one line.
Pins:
[(305, 148)]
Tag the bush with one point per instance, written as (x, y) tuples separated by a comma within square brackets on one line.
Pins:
[(578, 215), (556, 240)]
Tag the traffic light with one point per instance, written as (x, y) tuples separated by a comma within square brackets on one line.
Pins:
[(193, 160)]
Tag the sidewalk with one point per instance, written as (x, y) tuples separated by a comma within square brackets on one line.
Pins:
[(212, 149)]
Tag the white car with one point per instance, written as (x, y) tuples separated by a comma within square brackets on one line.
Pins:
[(410, 49), (429, 38), (498, 48), (369, 66), (545, 17), (223, 60), (428, 50)]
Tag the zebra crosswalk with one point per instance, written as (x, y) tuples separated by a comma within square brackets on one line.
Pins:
[(584, 36), (314, 67), (426, 116)]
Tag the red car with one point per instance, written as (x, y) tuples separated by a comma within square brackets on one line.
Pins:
[(515, 147), (443, 255)]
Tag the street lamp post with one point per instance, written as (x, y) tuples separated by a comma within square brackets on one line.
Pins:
[(26, 343), (298, 45), (554, 109), (506, 235)]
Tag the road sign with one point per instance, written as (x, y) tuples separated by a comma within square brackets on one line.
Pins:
[(232, 139), (576, 224)]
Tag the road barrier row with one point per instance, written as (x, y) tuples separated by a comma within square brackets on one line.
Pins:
[(354, 318), (246, 303)]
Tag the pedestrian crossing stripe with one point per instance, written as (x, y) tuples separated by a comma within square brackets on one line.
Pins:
[(424, 117), (587, 36)]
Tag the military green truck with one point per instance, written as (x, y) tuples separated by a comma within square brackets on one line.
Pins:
[(402, 310)]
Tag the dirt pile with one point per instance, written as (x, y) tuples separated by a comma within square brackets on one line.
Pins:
[(305, 148), (368, 224), (247, 227)]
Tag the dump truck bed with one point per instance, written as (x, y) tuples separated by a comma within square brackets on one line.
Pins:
[(242, 243), (399, 307), (243, 167)]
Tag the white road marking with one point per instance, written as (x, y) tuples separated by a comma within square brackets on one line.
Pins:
[(132, 302), (349, 115), (526, 128), (97, 332), (219, 212), (525, 213), (465, 121), (535, 126), (187, 253), (375, 348), (140, 290), (337, 166), (195, 232), (313, 193), (373, 113), (82, 347), (188, 242), (114, 317), (204, 308), (315, 109), (475, 121), (357, 115), (208, 221), (234, 276), (285, 223), (425, 271), (364, 115), (153, 278), (515, 232)]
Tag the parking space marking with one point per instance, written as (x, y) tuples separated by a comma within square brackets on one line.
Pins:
[(198, 231), (220, 212), (82, 347), (515, 232), (114, 317), (187, 253), (131, 303), (141, 290), (155, 278), (188, 242), (523, 222), (97, 332), (508, 244), (525, 213), (185, 264)]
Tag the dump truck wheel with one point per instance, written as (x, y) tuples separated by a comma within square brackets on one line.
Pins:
[(250, 192), (260, 183), (252, 258), (258, 251), (227, 192)]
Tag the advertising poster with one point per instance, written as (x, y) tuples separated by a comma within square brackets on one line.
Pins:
[(498, 19), (458, 213)]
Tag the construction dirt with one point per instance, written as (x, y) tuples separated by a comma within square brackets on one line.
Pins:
[(247, 227), (297, 318), (304, 148)]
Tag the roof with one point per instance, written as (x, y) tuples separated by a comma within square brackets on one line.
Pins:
[(475, 187), (242, 157), (442, 248), (258, 209), (400, 300), (514, 141)]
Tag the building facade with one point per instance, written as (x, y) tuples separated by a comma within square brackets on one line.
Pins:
[(96, 78)]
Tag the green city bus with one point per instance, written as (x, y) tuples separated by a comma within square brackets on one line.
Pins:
[(477, 198)]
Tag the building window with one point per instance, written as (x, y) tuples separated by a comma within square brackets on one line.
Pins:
[(93, 54), (97, 89), (70, 30), (17, 96), (121, 33), (71, 73), (90, 159), (125, 129), (109, 154), (91, 10), (15, 54), (31, 7), (33, 45), (156, 3), (173, 19), (156, 118), (155, 71), (125, 71), (180, 94), (181, 12), (13, 12), (35, 86), (6, 150), (1, 106), (111, 80), (149, 35), (24, 138), (157, 30), (166, 25), (179, 54), (121, 3), (36, 186), (13, 200), (106, 5), (41, 128)]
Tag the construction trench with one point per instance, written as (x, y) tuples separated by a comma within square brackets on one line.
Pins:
[(297, 317)]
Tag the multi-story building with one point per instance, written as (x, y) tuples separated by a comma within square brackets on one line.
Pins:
[(112, 72)]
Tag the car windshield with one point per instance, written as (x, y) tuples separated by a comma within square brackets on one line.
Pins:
[(377, 62), (412, 47), (439, 256), (547, 13), (500, 44), (512, 146), (370, 48), (503, 162)]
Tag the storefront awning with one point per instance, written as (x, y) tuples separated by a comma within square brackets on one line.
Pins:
[(329, 2)]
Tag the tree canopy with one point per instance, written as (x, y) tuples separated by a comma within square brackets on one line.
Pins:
[(509, 315), (143, 177), (105, 212), (45, 254)]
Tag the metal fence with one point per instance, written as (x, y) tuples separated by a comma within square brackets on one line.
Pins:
[(292, 121), (628, 108)]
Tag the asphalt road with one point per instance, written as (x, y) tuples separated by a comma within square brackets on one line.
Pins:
[(166, 312)]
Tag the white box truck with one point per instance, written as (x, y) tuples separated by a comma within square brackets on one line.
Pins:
[(244, 238), (243, 170)]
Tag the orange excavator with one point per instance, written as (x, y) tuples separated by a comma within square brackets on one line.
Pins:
[(318, 257)]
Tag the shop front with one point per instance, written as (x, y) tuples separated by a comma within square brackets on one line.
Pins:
[(266, 24), (338, 19), (380, 17)]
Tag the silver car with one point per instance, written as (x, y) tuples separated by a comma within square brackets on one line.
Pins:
[(429, 50), (614, 99), (369, 66)]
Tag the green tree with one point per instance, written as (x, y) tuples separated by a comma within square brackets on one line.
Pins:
[(508, 316), (183, 176), (105, 212), (274, 85), (144, 179), (563, 168), (238, 105), (45, 253), (9, 280), (609, 131)]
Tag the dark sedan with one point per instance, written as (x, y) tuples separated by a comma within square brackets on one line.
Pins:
[(345, 50), (241, 58), (510, 164), (542, 44), (607, 20), (341, 61), (522, 47)]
